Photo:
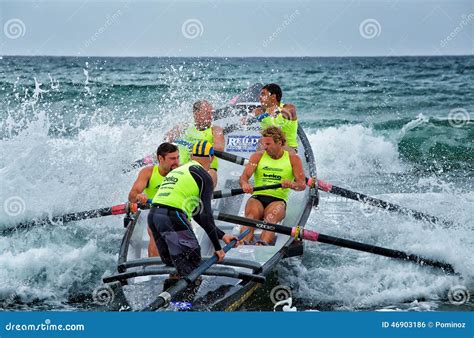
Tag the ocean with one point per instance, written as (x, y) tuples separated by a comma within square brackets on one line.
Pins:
[(398, 128)]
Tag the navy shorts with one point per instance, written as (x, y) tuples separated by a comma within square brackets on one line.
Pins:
[(175, 239), (267, 200)]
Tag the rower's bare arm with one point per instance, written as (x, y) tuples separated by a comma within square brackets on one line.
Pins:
[(219, 140), (249, 170), (258, 111), (289, 111), (136, 193), (298, 172)]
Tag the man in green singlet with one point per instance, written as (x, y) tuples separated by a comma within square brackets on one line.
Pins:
[(186, 193), (275, 113), (202, 129), (149, 180), (271, 165)]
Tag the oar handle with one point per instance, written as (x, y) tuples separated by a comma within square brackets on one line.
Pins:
[(238, 191), (231, 157)]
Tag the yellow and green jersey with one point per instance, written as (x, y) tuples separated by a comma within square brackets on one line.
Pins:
[(272, 171)]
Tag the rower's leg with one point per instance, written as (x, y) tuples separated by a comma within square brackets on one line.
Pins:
[(253, 210), (186, 255), (157, 223), (152, 249), (274, 213)]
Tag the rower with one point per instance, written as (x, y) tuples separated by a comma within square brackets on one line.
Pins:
[(186, 193), (149, 180), (201, 130), (275, 113), (271, 165)]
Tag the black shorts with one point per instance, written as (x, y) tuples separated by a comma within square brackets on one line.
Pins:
[(175, 239), (266, 200)]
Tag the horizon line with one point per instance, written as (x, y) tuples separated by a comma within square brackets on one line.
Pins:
[(232, 57)]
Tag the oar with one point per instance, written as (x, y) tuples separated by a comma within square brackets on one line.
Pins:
[(119, 209), (233, 192), (166, 296), (231, 157), (300, 233), (328, 187)]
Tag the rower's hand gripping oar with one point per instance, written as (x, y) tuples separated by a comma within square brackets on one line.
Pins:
[(300, 234), (119, 209), (328, 187), (166, 296)]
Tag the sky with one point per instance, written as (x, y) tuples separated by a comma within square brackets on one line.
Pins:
[(226, 28)]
